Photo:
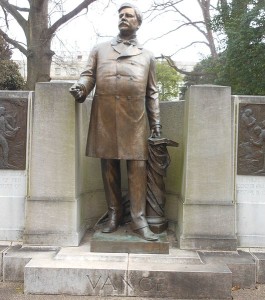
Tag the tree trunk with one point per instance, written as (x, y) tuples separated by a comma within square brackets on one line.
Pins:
[(39, 44), (205, 7)]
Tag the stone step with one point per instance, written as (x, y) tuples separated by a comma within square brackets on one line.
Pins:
[(16, 257), (134, 275)]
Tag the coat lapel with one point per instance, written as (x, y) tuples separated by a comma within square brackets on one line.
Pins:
[(125, 51)]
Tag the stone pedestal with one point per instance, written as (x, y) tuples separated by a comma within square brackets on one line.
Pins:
[(125, 241), (207, 214), (59, 199)]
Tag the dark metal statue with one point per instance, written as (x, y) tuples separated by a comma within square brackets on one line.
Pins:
[(251, 140), (158, 162), (126, 93)]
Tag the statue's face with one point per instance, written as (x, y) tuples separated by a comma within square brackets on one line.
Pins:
[(2, 111), (128, 23)]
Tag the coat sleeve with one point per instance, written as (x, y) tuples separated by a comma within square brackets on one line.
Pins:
[(88, 76), (152, 100)]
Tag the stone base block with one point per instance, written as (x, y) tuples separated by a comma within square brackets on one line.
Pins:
[(134, 275), (208, 243), (76, 277), (2, 249), (260, 265), (241, 264), (124, 241), (15, 258)]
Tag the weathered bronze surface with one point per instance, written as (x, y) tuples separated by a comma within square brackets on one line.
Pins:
[(126, 95), (13, 133), (251, 140), (158, 162), (124, 241)]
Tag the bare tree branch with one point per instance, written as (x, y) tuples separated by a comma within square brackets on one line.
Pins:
[(13, 11), (189, 45), (172, 64), (170, 31), (70, 15), (5, 14), (14, 43), (25, 9)]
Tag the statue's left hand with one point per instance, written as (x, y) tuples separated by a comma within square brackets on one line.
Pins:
[(156, 131)]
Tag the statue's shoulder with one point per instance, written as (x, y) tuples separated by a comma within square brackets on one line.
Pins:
[(104, 44), (148, 53)]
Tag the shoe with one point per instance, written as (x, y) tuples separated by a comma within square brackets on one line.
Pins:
[(112, 223), (146, 234)]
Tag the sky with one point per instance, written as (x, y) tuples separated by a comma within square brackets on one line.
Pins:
[(80, 34)]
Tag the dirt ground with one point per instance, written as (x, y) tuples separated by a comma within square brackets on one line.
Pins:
[(14, 291)]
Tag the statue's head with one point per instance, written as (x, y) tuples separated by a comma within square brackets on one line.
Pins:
[(248, 112), (2, 110), (257, 130), (130, 18)]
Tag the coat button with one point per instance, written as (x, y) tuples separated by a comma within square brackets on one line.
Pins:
[(117, 97), (118, 76)]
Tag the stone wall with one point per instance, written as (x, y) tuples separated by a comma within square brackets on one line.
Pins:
[(56, 194)]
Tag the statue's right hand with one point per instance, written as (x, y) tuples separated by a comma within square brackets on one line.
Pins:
[(77, 91)]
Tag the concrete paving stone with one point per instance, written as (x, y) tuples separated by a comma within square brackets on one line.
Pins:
[(241, 264), (2, 249), (15, 258), (260, 265), (176, 257)]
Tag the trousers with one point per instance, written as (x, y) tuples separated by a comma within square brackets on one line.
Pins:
[(137, 185)]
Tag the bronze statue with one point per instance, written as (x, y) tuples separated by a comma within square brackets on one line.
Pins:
[(126, 93)]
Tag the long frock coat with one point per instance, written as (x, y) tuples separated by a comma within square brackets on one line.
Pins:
[(125, 94)]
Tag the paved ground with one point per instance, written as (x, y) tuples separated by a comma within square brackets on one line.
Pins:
[(14, 291)]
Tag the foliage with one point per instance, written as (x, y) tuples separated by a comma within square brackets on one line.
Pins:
[(10, 78), (168, 81), (242, 64)]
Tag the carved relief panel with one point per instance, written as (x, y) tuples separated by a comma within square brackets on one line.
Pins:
[(13, 133), (251, 140)]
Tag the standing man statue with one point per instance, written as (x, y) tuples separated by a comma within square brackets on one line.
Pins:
[(126, 92)]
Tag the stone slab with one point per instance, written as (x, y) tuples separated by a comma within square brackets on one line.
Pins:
[(15, 258), (106, 274), (241, 264), (124, 241), (76, 277), (181, 281), (260, 265)]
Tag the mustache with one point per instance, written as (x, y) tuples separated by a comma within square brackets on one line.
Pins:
[(123, 22)]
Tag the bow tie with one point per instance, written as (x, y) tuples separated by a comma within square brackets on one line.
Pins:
[(127, 42)]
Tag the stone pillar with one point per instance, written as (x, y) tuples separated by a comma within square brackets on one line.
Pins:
[(207, 214), (59, 194)]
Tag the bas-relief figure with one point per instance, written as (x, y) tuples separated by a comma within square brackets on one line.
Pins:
[(251, 140), (125, 94), (13, 123)]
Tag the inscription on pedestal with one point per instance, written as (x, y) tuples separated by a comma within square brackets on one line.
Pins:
[(250, 189), (251, 140), (112, 285), (12, 184), (13, 133)]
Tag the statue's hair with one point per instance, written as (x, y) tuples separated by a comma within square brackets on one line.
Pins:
[(138, 13)]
